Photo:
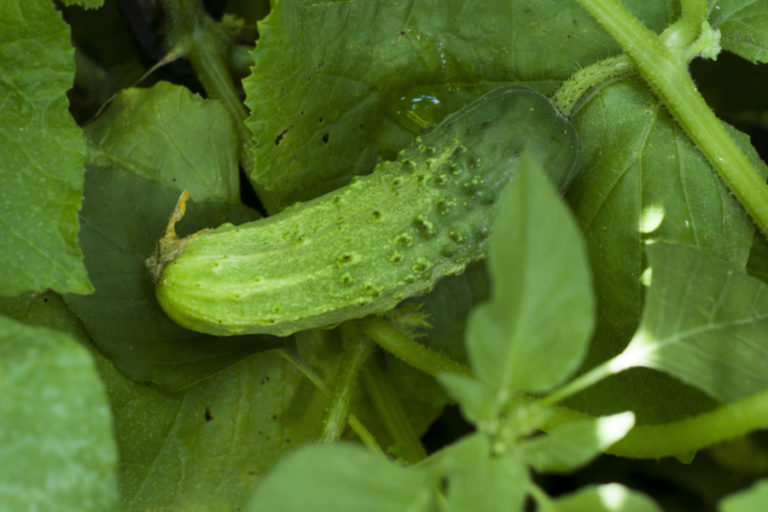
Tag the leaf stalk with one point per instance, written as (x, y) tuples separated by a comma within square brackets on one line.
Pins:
[(421, 357)]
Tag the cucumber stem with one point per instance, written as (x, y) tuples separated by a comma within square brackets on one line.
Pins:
[(665, 70), (421, 357), (690, 434), (573, 92)]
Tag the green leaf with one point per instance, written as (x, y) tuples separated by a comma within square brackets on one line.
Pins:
[(479, 481), (748, 500), (341, 477), (605, 498), (55, 426), (169, 135), (123, 216), (534, 331), (206, 447), (644, 181), (330, 103), (42, 153), (572, 445), (744, 27), (705, 322), (479, 401)]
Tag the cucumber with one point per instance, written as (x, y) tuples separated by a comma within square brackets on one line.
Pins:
[(384, 237)]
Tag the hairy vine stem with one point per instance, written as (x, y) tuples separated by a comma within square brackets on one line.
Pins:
[(588, 81), (421, 357), (664, 66)]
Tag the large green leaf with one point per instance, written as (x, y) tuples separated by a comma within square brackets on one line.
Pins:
[(705, 322), (744, 27), (41, 153), (341, 478), (203, 449), (535, 330), (336, 86), (644, 181), (55, 428), (123, 216), (172, 136)]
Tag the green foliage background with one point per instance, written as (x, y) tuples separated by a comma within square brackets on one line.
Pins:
[(650, 260)]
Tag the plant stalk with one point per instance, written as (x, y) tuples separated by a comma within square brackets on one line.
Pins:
[(356, 351), (687, 28), (387, 404), (354, 423), (421, 357), (573, 92), (579, 384)]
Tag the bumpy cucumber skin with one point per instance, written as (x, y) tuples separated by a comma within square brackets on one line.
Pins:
[(382, 238)]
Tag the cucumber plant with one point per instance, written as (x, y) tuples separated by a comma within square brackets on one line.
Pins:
[(380, 239)]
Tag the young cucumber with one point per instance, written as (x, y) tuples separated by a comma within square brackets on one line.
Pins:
[(380, 239)]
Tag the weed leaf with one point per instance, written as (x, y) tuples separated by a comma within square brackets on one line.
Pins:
[(572, 445), (343, 478), (705, 322), (479, 481), (748, 500), (535, 330), (604, 498)]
